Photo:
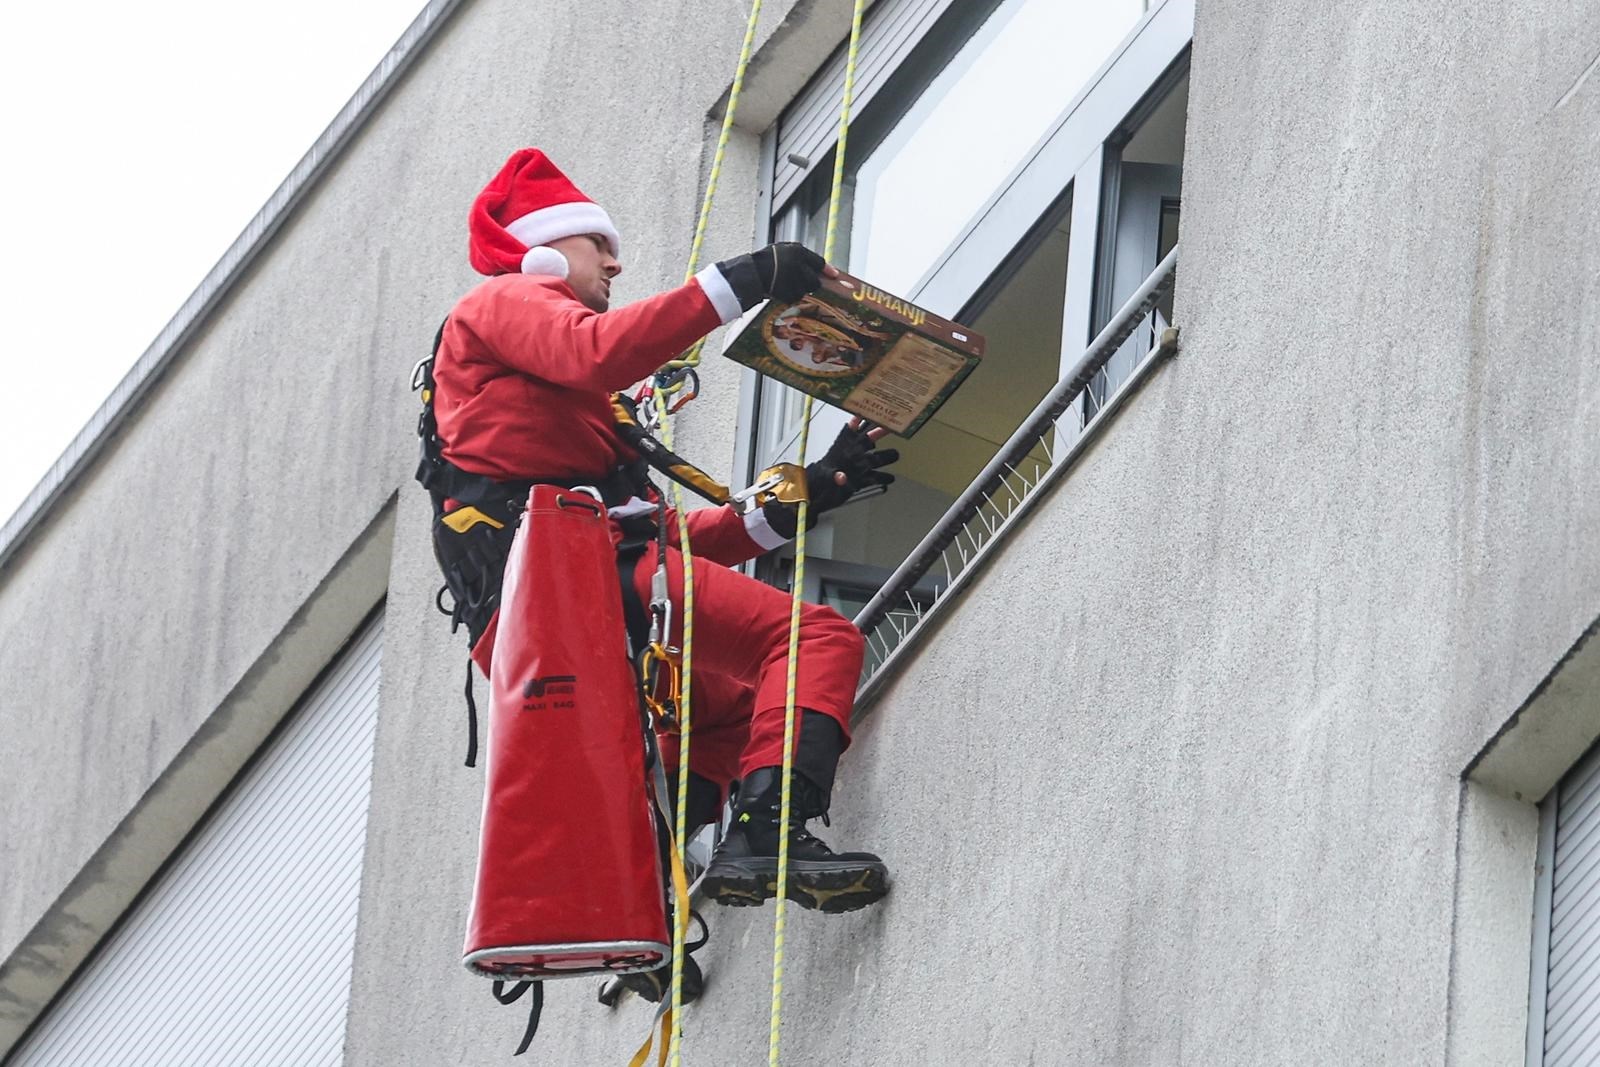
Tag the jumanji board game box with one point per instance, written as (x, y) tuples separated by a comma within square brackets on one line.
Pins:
[(858, 348)]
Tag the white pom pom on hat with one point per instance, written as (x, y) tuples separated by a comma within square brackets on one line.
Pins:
[(542, 259)]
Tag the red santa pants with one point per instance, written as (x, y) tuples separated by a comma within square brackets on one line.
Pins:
[(740, 664)]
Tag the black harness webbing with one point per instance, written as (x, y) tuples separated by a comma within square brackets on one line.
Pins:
[(513, 995), (472, 720), (472, 555), (634, 614), (660, 457)]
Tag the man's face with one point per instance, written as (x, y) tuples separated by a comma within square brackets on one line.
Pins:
[(590, 268)]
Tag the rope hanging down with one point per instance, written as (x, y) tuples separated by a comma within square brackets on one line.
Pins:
[(691, 359), (784, 811), (673, 378)]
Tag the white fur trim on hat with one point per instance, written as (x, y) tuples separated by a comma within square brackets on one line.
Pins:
[(542, 259), (565, 220)]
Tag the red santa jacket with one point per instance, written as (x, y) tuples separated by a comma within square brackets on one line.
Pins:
[(523, 379)]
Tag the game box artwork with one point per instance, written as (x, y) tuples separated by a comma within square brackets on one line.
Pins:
[(860, 349)]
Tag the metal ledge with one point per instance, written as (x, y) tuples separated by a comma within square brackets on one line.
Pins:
[(994, 477)]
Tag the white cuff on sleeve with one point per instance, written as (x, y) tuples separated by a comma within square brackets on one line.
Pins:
[(717, 289), (761, 532)]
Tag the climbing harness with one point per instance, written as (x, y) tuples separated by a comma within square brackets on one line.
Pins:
[(476, 516), (489, 512), (475, 520)]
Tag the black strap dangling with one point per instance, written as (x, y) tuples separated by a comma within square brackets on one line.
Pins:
[(705, 933), (513, 995), (472, 720)]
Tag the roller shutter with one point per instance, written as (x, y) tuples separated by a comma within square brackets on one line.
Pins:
[(808, 127), (241, 951), (1572, 986)]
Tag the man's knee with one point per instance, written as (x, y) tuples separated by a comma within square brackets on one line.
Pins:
[(824, 625)]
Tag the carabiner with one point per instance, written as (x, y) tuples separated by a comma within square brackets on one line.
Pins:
[(661, 684), (685, 381)]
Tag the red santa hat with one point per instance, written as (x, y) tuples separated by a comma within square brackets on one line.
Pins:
[(527, 205)]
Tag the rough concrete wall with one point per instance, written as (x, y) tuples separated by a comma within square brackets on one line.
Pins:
[(284, 427), (1196, 802), (161, 580), (619, 94)]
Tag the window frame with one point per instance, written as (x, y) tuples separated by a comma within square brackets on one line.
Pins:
[(1544, 871), (1585, 767), (1071, 158)]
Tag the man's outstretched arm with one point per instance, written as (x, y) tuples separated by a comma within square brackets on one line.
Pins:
[(537, 326)]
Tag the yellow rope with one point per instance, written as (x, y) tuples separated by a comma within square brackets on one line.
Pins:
[(680, 926), (797, 594), (692, 357)]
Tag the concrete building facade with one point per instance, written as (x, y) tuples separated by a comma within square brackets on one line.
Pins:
[(1236, 733)]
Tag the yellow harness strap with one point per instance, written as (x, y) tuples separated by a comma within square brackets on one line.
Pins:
[(660, 456), (667, 1013)]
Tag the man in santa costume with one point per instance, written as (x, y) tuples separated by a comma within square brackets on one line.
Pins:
[(524, 372)]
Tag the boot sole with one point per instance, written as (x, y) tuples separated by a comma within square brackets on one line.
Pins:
[(829, 891)]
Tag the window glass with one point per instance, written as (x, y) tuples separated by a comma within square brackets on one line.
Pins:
[(918, 172), (974, 123), (1139, 226), (1021, 320)]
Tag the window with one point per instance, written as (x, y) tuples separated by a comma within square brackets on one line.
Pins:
[(913, 191), (928, 153), (1139, 215), (241, 949), (1527, 878), (1018, 168), (1564, 1018)]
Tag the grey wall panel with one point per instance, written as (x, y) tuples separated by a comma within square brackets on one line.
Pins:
[(1572, 990), (891, 29), (1207, 796), (241, 952)]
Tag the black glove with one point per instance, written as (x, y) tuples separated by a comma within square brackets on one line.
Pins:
[(786, 271), (855, 455)]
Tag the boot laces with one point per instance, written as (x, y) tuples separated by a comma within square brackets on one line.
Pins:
[(800, 835)]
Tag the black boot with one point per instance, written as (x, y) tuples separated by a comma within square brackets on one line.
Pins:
[(745, 869)]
